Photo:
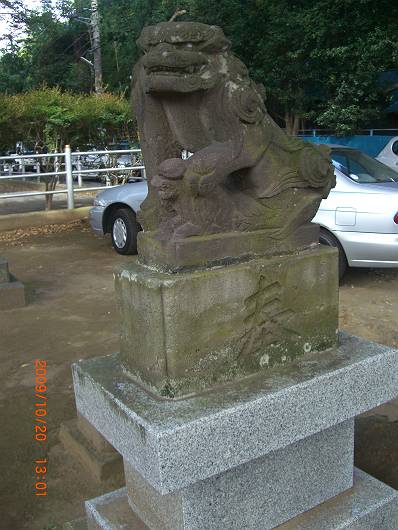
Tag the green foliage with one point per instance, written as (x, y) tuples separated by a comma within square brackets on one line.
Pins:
[(50, 118), (319, 60)]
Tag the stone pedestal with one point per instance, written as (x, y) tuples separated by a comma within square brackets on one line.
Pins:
[(12, 292), (185, 332), (92, 450), (257, 453), (220, 249)]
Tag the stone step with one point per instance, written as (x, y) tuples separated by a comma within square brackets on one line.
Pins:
[(4, 274), (106, 466), (12, 294), (112, 512), (368, 505)]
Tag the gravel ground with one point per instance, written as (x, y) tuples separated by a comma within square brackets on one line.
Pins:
[(71, 314)]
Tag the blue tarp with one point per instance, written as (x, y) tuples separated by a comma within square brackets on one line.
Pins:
[(371, 145)]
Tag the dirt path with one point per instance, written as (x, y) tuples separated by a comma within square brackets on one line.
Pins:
[(369, 304), (72, 314)]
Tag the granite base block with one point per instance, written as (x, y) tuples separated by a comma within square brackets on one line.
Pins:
[(175, 443), (93, 437), (260, 494), (12, 294), (112, 512), (368, 505)]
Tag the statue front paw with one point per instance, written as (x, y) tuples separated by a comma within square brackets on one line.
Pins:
[(206, 185), (200, 184), (172, 168)]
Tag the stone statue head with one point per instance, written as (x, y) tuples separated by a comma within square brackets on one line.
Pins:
[(182, 57)]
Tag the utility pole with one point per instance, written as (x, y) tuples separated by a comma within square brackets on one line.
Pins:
[(97, 63)]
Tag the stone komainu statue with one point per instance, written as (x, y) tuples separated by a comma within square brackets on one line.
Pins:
[(243, 174)]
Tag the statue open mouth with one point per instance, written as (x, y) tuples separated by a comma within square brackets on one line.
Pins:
[(164, 59), (181, 78), (173, 70)]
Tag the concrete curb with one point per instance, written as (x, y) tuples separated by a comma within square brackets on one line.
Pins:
[(52, 217)]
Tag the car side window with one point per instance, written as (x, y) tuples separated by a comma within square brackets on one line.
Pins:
[(359, 172), (394, 147), (340, 162)]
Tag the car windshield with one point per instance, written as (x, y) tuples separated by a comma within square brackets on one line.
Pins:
[(362, 168)]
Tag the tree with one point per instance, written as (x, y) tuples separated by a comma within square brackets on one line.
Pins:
[(46, 119), (48, 53), (49, 118), (319, 60)]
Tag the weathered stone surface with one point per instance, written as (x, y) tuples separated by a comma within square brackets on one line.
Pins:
[(188, 331), (112, 512), (103, 463), (12, 294), (216, 249), (92, 436), (260, 494), (4, 274), (369, 505), (192, 96), (175, 443)]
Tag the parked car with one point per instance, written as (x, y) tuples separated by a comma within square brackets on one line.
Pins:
[(389, 155), (360, 216), (94, 161), (114, 213)]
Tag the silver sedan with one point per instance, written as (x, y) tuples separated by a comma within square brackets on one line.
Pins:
[(360, 216)]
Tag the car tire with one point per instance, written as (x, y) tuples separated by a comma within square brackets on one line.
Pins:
[(326, 238), (124, 230)]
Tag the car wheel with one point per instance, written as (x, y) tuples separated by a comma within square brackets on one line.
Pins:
[(326, 238), (124, 230)]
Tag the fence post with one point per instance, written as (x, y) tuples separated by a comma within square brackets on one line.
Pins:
[(69, 177), (79, 167), (38, 169), (56, 168), (22, 167)]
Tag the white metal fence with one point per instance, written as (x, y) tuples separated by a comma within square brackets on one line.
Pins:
[(70, 165)]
